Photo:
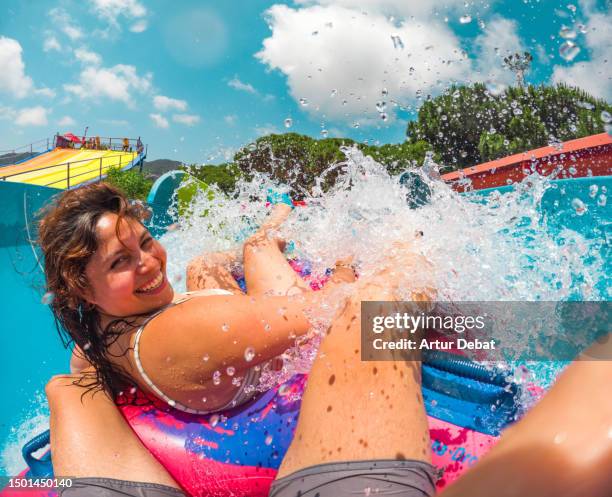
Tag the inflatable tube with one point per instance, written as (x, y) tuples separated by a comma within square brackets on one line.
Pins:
[(238, 452)]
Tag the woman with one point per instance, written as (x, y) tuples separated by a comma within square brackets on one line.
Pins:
[(113, 299)]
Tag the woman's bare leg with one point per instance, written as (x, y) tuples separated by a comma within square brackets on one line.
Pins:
[(561, 448), (213, 270), (90, 437), (266, 269), (353, 410)]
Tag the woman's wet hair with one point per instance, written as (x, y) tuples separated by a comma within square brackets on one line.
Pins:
[(68, 239)]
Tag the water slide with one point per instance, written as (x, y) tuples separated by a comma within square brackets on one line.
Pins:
[(55, 167)]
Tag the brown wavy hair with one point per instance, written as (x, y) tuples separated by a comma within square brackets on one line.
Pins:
[(67, 237)]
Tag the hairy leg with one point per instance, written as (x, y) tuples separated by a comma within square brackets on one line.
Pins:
[(90, 437), (561, 448), (353, 410)]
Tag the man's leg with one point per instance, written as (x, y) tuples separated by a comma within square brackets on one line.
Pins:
[(561, 448), (90, 438), (359, 411)]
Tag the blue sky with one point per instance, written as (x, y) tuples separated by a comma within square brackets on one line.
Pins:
[(199, 79)]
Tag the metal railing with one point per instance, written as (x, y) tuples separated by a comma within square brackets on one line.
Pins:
[(104, 166), (25, 151), (100, 143)]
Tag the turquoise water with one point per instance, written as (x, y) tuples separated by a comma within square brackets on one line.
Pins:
[(31, 351)]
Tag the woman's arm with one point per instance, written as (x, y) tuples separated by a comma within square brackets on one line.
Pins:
[(206, 334)]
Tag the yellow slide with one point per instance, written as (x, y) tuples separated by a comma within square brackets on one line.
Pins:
[(62, 168)]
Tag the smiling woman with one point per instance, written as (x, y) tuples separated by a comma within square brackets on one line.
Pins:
[(112, 298)]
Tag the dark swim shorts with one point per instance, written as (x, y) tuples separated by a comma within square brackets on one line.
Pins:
[(381, 477), (108, 487)]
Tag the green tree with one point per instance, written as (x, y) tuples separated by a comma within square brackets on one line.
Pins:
[(222, 175), (468, 125), (132, 182), (301, 161)]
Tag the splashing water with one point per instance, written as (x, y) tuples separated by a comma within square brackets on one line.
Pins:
[(506, 248)]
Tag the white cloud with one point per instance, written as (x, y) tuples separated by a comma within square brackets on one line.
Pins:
[(62, 21), (317, 50), (159, 121), (593, 75), (499, 40), (240, 86), (45, 92), (266, 129), (164, 103), (66, 121), (115, 83), (231, 119), (13, 79), (51, 44), (139, 27), (186, 119), (397, 8), (32, 116), (87, 56), (112, 10)]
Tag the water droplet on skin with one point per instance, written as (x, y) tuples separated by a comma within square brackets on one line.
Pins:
[(466, 19), (303, 102), (249, 354), (216, 378), (605, 117), (567, 33), (225, 327), (214, 420), (568, 50), (288, 122), (230, 371), (578, 206), (268, 440), (205, 357), (47, 298)]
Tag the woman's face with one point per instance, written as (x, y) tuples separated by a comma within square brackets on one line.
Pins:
[(127, 274)]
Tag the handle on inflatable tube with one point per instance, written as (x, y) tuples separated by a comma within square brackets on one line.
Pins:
[(39, 468)]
